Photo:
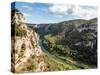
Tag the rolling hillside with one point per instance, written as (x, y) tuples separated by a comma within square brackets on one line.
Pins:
[(74, 39)]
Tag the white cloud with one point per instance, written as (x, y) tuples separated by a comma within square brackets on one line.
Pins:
[(26, 14), (27, 7), (84, 12), (58, 8)]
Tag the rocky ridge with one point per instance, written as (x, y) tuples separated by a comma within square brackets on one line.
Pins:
[(24, 44)]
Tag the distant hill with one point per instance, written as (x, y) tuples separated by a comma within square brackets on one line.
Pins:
[(61, 27)]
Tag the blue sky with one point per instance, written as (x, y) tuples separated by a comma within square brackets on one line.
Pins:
[(52, 13)]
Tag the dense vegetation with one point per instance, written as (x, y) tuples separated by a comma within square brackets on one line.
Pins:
[(76, 39), (51, 64), (20, 32)]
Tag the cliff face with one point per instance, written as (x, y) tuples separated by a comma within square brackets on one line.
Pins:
[(25, 43)]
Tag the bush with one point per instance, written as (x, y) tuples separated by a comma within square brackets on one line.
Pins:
[(20, 32), (21, 53)]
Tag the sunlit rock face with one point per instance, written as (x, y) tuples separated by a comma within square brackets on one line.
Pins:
[(24, 43)]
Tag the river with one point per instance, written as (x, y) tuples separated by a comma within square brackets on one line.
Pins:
[(61, 59)]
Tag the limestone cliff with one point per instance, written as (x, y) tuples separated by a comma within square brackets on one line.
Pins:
[(24, 44)]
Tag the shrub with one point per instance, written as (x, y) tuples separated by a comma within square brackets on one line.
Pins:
[(20, 32)]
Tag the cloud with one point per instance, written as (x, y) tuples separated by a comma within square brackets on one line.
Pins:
[(27, 7), (83, 12), (26, 14), (58, 9)]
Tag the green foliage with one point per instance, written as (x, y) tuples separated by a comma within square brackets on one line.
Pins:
[(31, 63), (21, 54), (65, 40), (51, 64), (53, 45), (54, 65), (20, 32)]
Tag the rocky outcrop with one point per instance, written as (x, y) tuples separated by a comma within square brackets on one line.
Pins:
[(24, 43)]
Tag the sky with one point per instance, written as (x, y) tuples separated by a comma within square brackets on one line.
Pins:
[(53, 13)]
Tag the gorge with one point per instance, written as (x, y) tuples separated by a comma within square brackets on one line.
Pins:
[(68, 45)]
